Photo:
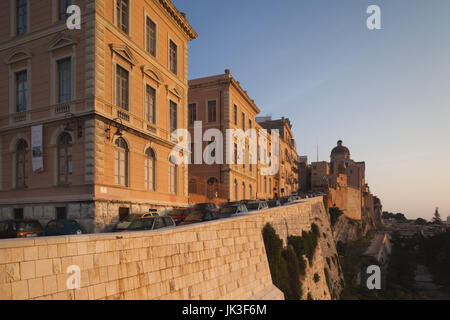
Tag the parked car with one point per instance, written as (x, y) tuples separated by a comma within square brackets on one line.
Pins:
[(150, 223), (274, 203), (60, 227), (286, 200), (125, 223), (256, 205), (200, 216), (20, 229), (205, 206), (231, 210), (180, 214)]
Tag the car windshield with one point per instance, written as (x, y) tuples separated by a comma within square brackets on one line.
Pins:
[(130, 218), (29, 226), (179, 212), (205, 206), (194, 216), (73, 223), (253, 206), (141, 224), (228, 209)]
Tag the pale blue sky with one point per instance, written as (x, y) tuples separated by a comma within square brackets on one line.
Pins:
[(386, 93)]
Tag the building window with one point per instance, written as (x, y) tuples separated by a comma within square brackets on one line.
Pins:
[(151, 37), (21, 164), (235, 115), (236, 197), (212, 111), (173, 176), (244, 156), (21, 91), (61, 213), (64, 80), (21, 16), (150, 104), (173, 116), (18, 213), (173, 56), (265, 184), (250, 124), (243, 121), (270, 185), (235, 154), (122, 89), (122, 11), (150, 170), (63, 5), (192, 113), (121, 163), (251, 192), (250, 160), (64, 158), (243, 190)]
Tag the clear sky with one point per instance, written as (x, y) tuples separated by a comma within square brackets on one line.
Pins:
[(385, 93)]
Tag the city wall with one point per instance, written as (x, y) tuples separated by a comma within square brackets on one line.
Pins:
[(224, 259), (349, 200)]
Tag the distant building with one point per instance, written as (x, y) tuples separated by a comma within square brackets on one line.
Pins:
[(343, 180)]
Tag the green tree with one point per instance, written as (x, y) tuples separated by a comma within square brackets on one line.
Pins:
[(437, 217)]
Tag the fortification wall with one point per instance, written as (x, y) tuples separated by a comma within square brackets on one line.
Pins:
[(349, 200), (224, 259)]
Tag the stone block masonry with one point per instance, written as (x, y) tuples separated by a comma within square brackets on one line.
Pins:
[(224, 259)]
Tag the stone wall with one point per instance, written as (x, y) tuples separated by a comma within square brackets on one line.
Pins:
[(224, 259), (348, 199)]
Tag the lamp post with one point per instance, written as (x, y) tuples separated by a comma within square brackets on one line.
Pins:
[(119, 127), (70, 117)]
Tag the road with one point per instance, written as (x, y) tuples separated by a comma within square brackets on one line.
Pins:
[(425, 286)]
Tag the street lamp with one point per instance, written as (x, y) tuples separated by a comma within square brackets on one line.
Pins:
[(118, 132), (70, 117)]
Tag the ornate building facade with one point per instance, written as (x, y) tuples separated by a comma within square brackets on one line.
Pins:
[(220, 103), (87, 116)]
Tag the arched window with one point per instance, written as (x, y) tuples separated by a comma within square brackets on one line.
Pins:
[(21, 164), (236, 196), (150, 170), (251, 192), (243, 190), (121, 163), (270, 185), (64, 158), (173, 176)]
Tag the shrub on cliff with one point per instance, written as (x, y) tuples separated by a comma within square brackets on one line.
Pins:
[(278, 266), (315, 230), (285, 268), (304, 245), (316, 277), (295, 286), (335, 213)]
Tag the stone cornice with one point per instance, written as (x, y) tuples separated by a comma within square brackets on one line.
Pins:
[(226, 79), (180, 18)]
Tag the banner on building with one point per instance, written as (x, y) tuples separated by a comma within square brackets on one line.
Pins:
[(36, 149)]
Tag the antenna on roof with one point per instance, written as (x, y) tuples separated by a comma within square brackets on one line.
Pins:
[(317, 152)]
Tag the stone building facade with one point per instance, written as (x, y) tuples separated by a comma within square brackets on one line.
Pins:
[(220, 103), (343, 180), (107, 97), (287, 178)]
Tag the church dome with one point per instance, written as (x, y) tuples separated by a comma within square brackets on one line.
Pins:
[(340, 151)]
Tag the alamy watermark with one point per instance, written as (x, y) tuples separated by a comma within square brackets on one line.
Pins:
[(231, 149), (372, 278)]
